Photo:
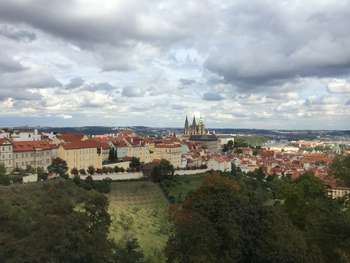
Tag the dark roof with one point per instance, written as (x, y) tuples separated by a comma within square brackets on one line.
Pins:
[(204, 138)]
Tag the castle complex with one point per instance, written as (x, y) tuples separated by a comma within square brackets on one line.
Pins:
[(194, 128)]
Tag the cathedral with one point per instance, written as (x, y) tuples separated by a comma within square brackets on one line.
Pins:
[(195, 128)]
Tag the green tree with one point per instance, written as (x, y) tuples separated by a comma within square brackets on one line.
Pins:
[(91, 170), (163, 171), (135, 163), (240, 142), (54, 221), (58, 166), (340, 168), (231, 228), (74, 172), (324, 222), (228, 146), (4, 178), (112, 156), (129, 252), (42, 175)]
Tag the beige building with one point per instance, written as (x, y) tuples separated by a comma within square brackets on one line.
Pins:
[(338, 192), (219, 163), (81, 154), (133, 147), (168, 151), (6, 154), (33, 153), (208, 141)]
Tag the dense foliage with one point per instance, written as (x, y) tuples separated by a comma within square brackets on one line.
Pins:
[(58, 166), (163, 171), (341, 169), (56, 221), (102, 186), (4, 177), (253, 218), (135, 164)]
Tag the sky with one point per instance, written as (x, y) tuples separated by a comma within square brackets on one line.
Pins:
[(237, 64)]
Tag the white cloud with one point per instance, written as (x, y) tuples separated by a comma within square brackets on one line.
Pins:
[(339, 86)]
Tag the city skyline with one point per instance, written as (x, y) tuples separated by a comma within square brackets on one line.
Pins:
[(266, 64)]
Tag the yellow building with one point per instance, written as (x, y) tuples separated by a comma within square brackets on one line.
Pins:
[(81, 154), (133, 147), (33, 153), (168, 151), (6, 154)]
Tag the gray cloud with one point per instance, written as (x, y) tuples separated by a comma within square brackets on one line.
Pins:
[(187, 82), (7, 64), (263, 60), (212, 96), (178, 107), (21, 85), (13, 33), (264, 49), (75, 83), (132, 92)]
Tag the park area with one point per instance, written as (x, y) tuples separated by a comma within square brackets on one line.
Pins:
[(140, 209)]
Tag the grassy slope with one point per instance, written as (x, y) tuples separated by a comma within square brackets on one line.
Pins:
[(140, 209), (178, 189)]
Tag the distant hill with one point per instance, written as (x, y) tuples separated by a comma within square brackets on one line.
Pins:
[(276, 134)]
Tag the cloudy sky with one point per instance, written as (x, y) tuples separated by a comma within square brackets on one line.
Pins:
[(254, 64)]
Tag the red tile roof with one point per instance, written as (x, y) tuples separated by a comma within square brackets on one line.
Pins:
[(167, 145), (70, 137), (4, 141), (30, 146), (81, 145)]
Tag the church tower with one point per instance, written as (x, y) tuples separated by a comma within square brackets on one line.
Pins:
[(201, 127), (186, 129), (194, 126)]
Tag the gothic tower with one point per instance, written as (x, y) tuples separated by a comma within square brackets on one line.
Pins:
[(186, 129)]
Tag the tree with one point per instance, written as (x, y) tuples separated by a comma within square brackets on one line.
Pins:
[(238, 151), (82, 171), (30, 169), (135, 163), (58, 166), (74, 172), (103, 186), (112, 156), (91, 170), (324, 222), (4, 178), (50, 206), (340, 168), (163, 171), (129, 252), (105, 169), (240, 142), (231, 228), (228, 146), (42, 175)]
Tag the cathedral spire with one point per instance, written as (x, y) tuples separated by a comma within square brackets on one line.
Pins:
[(186, 123), (194, 122)]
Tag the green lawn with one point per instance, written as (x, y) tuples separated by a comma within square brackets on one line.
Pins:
[(178, 189), (140, 209)]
